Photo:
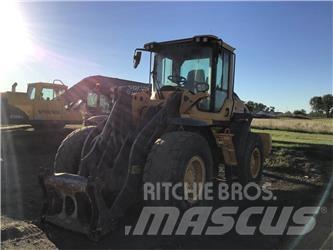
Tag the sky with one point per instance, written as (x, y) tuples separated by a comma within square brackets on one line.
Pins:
[(283, 49)]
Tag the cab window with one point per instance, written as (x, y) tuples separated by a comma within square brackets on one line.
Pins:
[(104, 104), (226, 66), (166, 71), (32, 93), (92, 100), (222, 78), (47, 94), (197, 71), (184, 66)]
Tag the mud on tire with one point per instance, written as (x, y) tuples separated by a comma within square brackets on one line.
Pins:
[(68, 155), (168, 161)]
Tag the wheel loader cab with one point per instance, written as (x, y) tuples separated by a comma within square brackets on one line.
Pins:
[(203, 68)]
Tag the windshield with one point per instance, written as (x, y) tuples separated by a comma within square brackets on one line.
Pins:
[(183, 66)]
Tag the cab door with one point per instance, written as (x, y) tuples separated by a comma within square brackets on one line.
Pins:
[(218, 105)]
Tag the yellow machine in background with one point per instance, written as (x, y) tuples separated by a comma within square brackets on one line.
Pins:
[(42, 106)]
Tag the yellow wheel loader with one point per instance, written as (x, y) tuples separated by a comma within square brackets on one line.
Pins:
[(42, 106), (191, 123)]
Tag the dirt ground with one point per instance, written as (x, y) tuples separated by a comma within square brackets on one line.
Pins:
[(299, 176)]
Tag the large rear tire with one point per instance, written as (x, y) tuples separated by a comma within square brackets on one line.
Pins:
[(178, 157), (251, 164), (68, 155)]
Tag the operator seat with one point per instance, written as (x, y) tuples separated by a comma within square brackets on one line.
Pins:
[(194, 76)]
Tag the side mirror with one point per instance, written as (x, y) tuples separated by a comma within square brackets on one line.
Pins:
[(136, 58)]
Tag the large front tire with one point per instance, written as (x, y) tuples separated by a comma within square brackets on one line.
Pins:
[(179, 157), (68, 155)]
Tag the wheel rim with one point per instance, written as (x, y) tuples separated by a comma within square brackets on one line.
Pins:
[(195, 173), (255, 163)]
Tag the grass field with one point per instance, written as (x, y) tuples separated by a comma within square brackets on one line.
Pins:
[(317, 126), (283, 137)]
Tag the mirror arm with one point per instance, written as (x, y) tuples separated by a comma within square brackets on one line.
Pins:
[(150, 69)]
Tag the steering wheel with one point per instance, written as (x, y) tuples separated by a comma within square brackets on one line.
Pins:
[(179, 80)]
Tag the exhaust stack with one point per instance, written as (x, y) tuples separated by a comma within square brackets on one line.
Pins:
[(14, 87)]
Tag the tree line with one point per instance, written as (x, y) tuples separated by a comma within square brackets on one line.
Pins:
[(321, 106)]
